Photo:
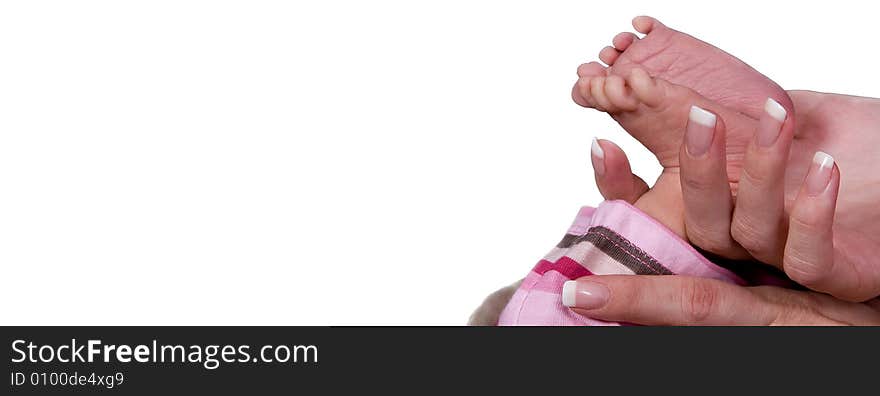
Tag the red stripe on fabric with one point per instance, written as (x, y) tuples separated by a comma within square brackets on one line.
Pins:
[(566, 266)]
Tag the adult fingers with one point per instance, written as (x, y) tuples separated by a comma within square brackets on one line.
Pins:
[(682, 300), (705, 187), (665, 300), (759, 224), (613, 174), (809, 257)]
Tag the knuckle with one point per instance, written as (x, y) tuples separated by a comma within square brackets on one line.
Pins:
[(795, 308), (699, 299), (808, 221), (814, 302), (803, 269), (634, 295), (710, 241), (771, 305), (800, 316), (756, 240), (756, 177), (807, 309), (698, 184)]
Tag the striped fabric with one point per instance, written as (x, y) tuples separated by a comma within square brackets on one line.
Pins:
[(614, 238)]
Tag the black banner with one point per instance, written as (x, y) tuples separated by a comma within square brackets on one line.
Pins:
[(266, 360)]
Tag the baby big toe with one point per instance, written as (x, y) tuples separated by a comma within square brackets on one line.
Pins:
[(591, 69), (581, 92), (599, 93)]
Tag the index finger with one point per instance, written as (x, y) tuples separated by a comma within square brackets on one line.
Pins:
[(668, 300)]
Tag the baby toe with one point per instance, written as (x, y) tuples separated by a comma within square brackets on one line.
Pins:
[(609, 55)]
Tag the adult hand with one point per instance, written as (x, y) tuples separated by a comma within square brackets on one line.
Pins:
[(802, 241), (784, 208), (681, 300)]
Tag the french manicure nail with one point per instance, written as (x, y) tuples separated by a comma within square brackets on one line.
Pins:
[(775, 110), (700, 131), (819, 174), (584, 294), (768, 128), (598, 157)]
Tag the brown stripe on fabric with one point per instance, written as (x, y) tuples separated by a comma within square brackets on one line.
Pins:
[(618, 248), (567, 241), (628, 253)]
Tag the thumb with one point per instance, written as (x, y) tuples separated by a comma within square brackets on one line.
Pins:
[(681, 300), (666, 300), (613, 174)]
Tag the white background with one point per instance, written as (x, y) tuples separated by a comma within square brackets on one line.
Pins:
[(334, 162)]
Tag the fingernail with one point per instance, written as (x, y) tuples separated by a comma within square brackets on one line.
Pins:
[(597, 157), (768, 128), (775, 110), (819, 174), (700, 131), (584, 294)]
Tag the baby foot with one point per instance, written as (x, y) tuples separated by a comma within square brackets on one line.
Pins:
[(684, 60), (656, 112)]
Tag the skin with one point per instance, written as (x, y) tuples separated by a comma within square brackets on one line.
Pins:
[(681, 300), (742, 200), (824, 249), (750, 221)]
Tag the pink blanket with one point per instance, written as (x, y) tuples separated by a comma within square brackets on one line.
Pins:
[(614, 238)]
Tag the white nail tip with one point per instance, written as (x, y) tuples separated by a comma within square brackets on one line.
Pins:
[(596, 149), (823, 160), (702, 117), (568, 290), (775, 110)]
